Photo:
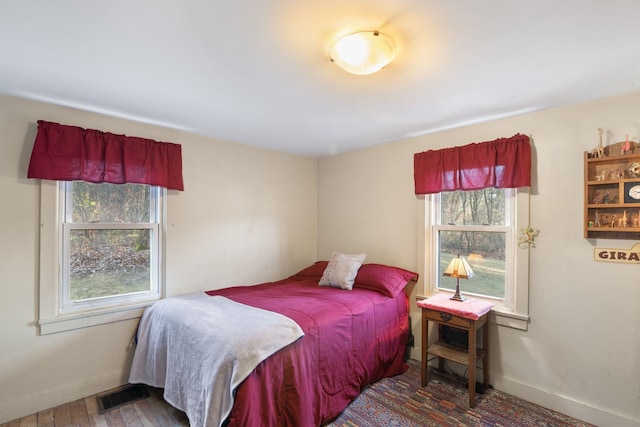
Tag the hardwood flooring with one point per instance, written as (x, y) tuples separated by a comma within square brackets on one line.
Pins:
[(152, 411)]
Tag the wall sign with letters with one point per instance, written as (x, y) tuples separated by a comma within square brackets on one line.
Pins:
[(626, 256)]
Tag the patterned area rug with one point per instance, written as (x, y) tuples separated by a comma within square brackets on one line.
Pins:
[(400, 401)]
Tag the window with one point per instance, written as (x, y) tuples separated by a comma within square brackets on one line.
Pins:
[(476, 225), (109, 244), (465, 212), (482, 226), (108, 262), (101, 257)]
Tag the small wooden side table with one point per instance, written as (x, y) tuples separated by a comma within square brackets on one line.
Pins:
[(469, 315)]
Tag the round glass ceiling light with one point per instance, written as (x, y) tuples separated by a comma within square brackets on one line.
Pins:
[(364, 52)]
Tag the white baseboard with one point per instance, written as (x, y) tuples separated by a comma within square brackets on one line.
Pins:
[(45, 399), (565, 405)]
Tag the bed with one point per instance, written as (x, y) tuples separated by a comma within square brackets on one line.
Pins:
[(337, 342)]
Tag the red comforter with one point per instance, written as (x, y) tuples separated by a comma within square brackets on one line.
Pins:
[(352, 338)]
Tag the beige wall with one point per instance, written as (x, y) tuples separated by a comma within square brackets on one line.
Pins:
[(581, 353), (246, 216)]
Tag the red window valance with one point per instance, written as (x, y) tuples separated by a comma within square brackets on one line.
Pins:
[(69, 153), (503, 163)]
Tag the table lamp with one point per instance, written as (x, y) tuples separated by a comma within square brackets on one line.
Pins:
[(458, 268)]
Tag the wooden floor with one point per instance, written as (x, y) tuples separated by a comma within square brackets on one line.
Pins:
[(152, 411)]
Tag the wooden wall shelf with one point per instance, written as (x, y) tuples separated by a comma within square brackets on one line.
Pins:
[(612, 194)]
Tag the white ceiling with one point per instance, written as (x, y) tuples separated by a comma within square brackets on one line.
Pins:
[(258, 73)]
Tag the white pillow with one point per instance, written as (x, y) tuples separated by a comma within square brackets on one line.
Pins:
[(341, 270)]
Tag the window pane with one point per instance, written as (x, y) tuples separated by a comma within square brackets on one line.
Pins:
[(109, 262), (485, 252), (481, 207), (100, 203)]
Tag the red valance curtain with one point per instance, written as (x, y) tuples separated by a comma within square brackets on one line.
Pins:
[(503, 163), (68, 153)]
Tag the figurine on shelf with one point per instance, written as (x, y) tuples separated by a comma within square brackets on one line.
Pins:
[(613, 221), (599, 150), (622, 221), (636, 221), (607, 197), (596, 198), (626, 148), (596, 221), (634, 170), (617, 173), (604, 175)]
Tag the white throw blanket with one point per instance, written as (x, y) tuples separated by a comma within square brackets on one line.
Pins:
[(199, 348)]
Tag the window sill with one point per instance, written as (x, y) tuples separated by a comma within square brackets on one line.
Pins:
[(501, 317), (68, 322), (509, 319)]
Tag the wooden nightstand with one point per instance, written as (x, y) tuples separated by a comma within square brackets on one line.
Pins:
[(469, 315)]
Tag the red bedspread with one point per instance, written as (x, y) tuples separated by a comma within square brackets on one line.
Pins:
[(352, 338)]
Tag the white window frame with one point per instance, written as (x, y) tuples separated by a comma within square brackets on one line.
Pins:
[(56, 312), (513, 310)]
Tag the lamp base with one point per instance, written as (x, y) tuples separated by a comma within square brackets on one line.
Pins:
[(457, 296)]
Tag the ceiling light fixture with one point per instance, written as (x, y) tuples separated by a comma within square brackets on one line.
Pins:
[(363, 52)]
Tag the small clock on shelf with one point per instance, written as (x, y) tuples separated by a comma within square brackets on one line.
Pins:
[(632, 192)]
